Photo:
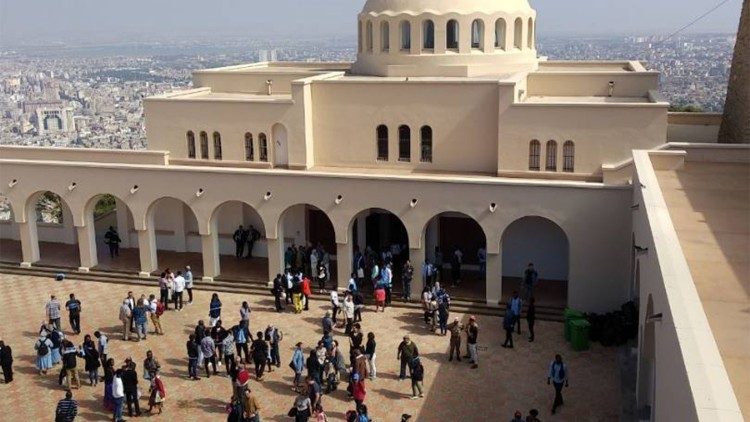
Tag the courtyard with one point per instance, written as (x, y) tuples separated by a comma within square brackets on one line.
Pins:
[(506, 380)]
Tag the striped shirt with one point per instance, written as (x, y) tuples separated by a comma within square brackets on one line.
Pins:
[(67, 409), (53, 309)]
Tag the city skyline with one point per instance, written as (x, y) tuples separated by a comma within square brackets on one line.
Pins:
[(89, 22)]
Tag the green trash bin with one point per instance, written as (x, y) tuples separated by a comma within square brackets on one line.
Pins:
[(570, 316), (579, 334)]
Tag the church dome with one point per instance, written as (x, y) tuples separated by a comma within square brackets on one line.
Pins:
[(461, 38)]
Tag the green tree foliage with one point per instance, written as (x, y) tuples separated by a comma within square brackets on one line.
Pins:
[(106, 204)]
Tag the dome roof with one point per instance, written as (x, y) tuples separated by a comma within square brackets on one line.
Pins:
[(439, 7)]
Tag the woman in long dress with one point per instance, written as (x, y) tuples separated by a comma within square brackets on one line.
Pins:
[(109, 377), (43, 347), (158, 393)]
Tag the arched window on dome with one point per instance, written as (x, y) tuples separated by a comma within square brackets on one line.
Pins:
[(500, 31), (569, 156), (368, 36), (530, 35), (204, 145), (385, 36), (477, 34), (518, 34), (404, 143), (217, 146), (425, 144), (190, 144), (263, 147), (551, 152), (451, 34), (534, 151), (382, 138), (405, 28), (428, 35), (360, 38), (249, 150)]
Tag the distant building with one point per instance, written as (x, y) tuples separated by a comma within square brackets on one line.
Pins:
[(54, 120)]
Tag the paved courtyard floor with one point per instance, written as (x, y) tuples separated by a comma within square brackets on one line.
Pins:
[(507, 379)]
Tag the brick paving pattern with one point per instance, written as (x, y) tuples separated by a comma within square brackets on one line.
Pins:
[(505, 381)]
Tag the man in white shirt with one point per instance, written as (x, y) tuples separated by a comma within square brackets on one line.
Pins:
[(179, 287), (353, 283), (335, 303), (189, 284), (118, 393)]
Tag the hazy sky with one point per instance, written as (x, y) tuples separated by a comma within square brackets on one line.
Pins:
[(138, 19)]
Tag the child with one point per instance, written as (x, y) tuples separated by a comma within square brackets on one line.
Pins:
[(380, 299), (319, 415)]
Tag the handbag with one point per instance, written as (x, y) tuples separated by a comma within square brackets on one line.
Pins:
[(360, 273), (292, 412), (291, 365)]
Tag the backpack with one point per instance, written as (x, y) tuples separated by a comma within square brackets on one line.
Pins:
[(159, 309), (43, 349)]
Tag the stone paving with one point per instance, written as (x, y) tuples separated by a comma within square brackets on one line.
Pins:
[(507, 379)]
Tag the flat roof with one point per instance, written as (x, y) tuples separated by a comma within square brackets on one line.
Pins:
[(709, 204), (542, 99)]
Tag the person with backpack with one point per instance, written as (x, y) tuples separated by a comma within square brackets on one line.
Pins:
[(417, 376), (74, 313), (43, 347), (156, 309), (558, 374)]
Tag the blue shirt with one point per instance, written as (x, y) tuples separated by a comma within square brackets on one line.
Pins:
[(139, 315), (558, 372), (515, 305)]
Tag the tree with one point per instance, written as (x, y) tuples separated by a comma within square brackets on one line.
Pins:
[(735, 125)]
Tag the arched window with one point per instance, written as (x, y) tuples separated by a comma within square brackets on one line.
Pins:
[(404, 143), (360, 38), (551, 163), (530, 35), (426, 144), (217, 146), (451, 34), (385, 36), (569, 156), (477, 33), (368, 36), (500, 34), (534, 150), (428, 34), (263, 147), (204, 145), (191, 144), (249, 151), (405, 35), (382, 135), (518, 34)]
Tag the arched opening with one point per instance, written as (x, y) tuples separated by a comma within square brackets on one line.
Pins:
[(428, 35), (405, 28), (190, 144), (426, 144), (10, 245), (569, 151), (281, 145), (309, 241), (646, 384), (404, 143), (530, 35), (204, 145), (456, 246), (241, 237), (176, 235), (551, 153), (542, 243), (518, 34), (534, 152), (263, 147), (500, 31), (382, 138), (114, 235), (249, 150), (477, 34), (378, 237), (385, 36), (217, 146), (52, 219), (368, 36), (451, 35)]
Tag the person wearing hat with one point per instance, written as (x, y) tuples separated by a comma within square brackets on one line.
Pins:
[(472, 332), (407, 350)]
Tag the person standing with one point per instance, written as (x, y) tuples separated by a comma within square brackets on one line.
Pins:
[(109, 379), (118, 394), (275, 337), (157, 394), (306, 291), (74, 313), (335, 304), (214, 310), (139, 317), (53, 309), (531, 317), (241, 338), (417, 376), (407, 274), (456, 261), (43, 347), (164, 290), (239, 241), (112, 239), (192, 352), (208, 349), (245, 312), (443, 314), (250, 406), (130, 387), (150, 366), (259, 352), (407, 350), (482, 258), (70, 363), (228, 349), (103, 346), (386, 280), (277, 291), (322, 278), (156, 309), (6, 362), (472, 332), (67, 408), (189, 283), (298, 366), (455, 329), (179, 287), (508, 323), (302, 406), (92, 359), (515, 305), (348, 312), (558, 374), (530, 277), (370, 354), (358, 389)]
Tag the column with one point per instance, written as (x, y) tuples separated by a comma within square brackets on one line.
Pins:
[(417, 257), (87, 247), (122, 223), (147, 252), (210, 252), (343, 264), (494, 279), (275, 259), (29, 243)]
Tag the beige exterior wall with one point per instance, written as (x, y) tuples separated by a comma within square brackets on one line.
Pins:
[(693, 127), (586, 83)]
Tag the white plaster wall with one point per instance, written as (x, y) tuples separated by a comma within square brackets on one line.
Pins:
[(9, 230), (537, 240)]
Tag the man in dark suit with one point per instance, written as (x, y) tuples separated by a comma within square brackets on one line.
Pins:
[(6, 361)]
